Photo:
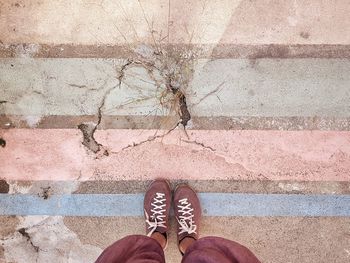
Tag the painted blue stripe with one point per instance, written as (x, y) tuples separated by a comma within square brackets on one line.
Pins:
[(213, 204)]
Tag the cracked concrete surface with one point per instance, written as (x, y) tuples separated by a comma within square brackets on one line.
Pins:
[(275, 155), (45, 239), (201, 144), (119, 81), (89, 141), (41, 188), (325, 239), (148, 140), (272, 88), (169, 70), (25, 234)]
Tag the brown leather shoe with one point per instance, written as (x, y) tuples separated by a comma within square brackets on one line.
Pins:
[(157, 207), (187, 213)]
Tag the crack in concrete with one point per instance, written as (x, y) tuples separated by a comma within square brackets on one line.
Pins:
[(89, 130), (153, 138), (184, 113), (173, 67), (213, 92), (3, 102), (77, 86), (25, 234), (89, 141), (150, 139), (42, 239), (171, 70), (2, 143), (122, 71), (199, 144)]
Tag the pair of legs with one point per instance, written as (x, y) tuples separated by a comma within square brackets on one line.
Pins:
[(187, 210)]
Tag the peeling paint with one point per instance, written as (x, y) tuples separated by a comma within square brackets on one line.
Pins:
[(2, 142), (19, 187), (291, 187), (42, 188), (24, 233), (4, 187), (44, 239), (27, 50), (32, 121), (88, 130), (46, 192)]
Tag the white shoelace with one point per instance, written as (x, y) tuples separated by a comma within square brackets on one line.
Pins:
[(185, 220), (157, 217)]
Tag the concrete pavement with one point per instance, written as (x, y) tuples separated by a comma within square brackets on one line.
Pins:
[(99, 98)]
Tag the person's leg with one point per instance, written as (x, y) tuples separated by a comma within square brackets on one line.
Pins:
[(145, 249), (133, 249), (216, 249)]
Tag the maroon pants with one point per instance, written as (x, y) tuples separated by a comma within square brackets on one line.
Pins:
[(143, 249)]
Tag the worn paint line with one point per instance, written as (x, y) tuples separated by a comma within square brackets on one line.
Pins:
[(104, 23), (213, 204), (229, 50), (217, 155), (210, 185), (267, 88), (198, 122)]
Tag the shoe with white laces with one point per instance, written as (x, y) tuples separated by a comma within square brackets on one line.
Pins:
[(157, 207), (187, 213)]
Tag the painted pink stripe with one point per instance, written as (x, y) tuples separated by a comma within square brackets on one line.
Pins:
[(57, 154)]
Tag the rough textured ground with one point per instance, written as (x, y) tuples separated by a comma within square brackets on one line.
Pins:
[(233, 96), (273, 239)]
